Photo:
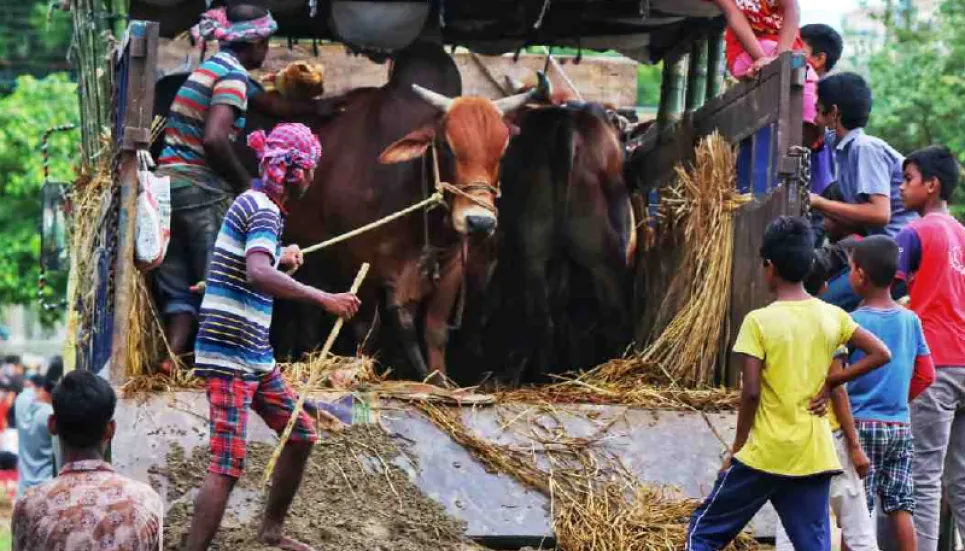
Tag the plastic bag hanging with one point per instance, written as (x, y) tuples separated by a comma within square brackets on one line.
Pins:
[(152, 215)]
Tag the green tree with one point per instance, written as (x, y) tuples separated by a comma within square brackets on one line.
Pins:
[(34, 38), (918, 79), (25, 114), (648, 84)]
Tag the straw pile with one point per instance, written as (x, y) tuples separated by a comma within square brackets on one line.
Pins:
[(702, 203), (596, 504), (699, 209), (333, 372)]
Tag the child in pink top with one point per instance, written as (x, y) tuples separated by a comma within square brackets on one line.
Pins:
[(760, 30)]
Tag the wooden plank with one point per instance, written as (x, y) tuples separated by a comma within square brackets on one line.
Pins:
[(137, 123), (748, 290), (604, 80)]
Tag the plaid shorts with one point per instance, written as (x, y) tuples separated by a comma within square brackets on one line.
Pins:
[(890, 448), (229, 399)]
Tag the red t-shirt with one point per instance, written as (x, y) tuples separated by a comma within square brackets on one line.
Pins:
[(932, 261), (766, 19)]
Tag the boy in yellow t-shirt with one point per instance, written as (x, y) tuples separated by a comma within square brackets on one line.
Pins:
[(783, 451)]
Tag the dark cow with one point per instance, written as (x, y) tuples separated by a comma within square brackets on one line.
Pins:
[(560, 288), (374, 163)]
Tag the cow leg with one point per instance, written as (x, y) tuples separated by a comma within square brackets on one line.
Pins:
[(409, 337), (538, 338), (438, 312)]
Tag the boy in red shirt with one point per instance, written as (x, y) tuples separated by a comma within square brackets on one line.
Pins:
[(932, 263)]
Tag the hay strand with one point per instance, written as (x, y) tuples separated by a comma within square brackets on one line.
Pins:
[(270, 468)]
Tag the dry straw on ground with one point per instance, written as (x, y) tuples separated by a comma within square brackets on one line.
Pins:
[(596, 504)]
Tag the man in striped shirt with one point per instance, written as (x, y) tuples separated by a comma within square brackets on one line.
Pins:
[(207, 115), (232, 350)]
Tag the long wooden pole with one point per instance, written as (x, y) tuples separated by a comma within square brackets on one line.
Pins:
[(300, 405), (715, 72), (697, 75), (672, 87), (136, 136)]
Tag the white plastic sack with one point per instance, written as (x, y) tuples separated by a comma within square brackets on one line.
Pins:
[(153, 215)]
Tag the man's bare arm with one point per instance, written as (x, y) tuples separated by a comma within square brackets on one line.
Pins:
[(218, 149), (876, 212)]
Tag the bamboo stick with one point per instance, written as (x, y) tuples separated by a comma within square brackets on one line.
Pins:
[(299, 406)]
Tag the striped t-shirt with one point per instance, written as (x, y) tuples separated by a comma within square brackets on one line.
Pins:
[(221, 80), (235, 316)]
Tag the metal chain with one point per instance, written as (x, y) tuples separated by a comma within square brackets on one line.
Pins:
[(42, 276), (802, 177)]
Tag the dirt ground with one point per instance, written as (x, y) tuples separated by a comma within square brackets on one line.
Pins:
[(353, 498)]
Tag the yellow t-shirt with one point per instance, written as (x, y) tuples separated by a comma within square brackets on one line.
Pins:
[(796, 341)]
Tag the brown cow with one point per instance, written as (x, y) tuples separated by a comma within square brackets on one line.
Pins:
[(374, 164)]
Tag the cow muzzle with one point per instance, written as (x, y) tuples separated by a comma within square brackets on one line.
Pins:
[(474, 220), (480, 224)]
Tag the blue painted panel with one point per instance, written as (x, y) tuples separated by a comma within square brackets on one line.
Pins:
[(120, 75), (762, 160), (138, 29), (745, 154)]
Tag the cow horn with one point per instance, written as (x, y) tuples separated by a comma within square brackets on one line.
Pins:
[(439, 101), (509, 104)]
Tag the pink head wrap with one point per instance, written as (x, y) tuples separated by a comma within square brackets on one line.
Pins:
[(285, 155), (214, 25)]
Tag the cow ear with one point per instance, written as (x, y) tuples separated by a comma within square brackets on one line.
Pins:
[(412, 146)]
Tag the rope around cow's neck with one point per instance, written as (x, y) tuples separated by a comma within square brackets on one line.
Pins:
[(436, 198)]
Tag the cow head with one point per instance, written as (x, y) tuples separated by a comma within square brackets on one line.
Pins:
[(476, 132)]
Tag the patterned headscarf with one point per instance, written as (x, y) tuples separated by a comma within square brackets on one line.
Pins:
[(284, 156), (214, 25)]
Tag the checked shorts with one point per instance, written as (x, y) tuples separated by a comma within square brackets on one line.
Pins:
[(229, 400), (891, 450)]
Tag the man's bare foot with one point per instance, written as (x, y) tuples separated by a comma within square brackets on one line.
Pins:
[(283, 542)]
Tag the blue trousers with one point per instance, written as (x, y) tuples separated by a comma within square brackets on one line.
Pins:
[(740, 492)]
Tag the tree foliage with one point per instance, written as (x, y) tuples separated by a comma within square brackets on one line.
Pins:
[(25, 114), (918, 79), (34, 39)]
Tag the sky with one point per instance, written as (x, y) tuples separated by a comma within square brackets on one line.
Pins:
[(826, 11)]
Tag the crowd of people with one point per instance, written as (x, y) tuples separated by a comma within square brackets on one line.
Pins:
[(851, 402)]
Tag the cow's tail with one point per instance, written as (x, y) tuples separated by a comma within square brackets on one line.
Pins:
[(561, 153), (562, 156)]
